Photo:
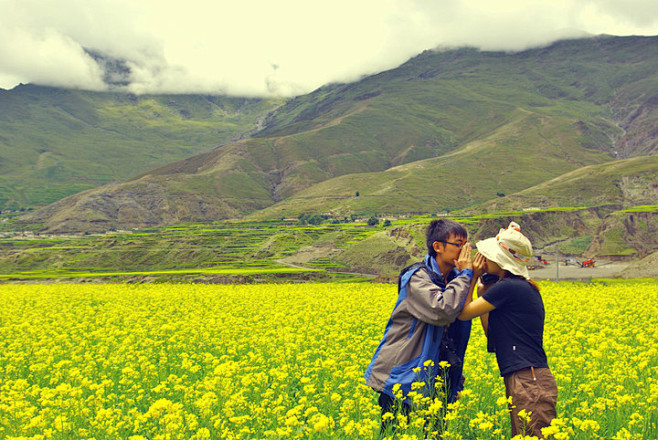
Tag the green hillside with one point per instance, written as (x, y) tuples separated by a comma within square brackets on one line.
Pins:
[(447, 130), (623, 183), (57, 142), (498, 164)]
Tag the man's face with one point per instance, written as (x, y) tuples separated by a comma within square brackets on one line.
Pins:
[(448, 250)]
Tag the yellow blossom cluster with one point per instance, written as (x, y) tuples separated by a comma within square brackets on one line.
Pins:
[(190, 361)]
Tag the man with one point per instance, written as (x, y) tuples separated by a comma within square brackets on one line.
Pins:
[(417, 338)]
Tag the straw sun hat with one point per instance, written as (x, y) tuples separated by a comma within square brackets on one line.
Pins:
[(510, 249)]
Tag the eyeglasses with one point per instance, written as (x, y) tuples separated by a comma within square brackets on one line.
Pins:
[(459, 245)]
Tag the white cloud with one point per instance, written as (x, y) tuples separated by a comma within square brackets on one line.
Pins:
[(285, 47), (49, 58)]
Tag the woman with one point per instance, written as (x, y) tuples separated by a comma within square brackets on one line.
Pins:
[(512, 314)]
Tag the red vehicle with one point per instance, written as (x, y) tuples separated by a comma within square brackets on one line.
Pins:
[(587, 263)]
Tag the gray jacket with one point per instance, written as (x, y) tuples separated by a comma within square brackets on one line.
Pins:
[(425, 305)]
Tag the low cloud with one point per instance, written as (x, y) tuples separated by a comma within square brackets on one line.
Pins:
[(287, 47)]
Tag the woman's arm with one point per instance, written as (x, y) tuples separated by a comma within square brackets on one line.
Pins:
[(480, 307), (475, 308), (484, 318)]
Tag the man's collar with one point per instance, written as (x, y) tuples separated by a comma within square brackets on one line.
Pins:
[(434, 266)]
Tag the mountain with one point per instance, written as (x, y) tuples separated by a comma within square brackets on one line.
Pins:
[(56, 142), (447, 130)]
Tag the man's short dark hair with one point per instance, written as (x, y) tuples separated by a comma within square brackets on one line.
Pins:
[(440, 230)]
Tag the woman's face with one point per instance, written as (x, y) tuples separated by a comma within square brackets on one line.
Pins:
[(492, 267)]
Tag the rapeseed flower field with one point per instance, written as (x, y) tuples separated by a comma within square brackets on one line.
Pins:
[(192, 361)]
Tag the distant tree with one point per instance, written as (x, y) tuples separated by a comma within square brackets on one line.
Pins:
[(316, 219), (357, 194), (311, 219), (500, 194), (387, 223), (373, 221)]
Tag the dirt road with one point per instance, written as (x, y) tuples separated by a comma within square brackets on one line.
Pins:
[(601, 269)]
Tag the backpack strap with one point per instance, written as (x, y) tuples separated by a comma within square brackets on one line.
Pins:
[(436, 278), (414, 267)]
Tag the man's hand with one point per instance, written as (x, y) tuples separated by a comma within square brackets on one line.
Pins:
[(465, 259)]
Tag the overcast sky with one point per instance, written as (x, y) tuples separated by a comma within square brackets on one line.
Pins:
[(277, 47)]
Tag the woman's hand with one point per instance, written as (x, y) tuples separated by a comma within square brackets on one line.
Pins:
[(479, 265)]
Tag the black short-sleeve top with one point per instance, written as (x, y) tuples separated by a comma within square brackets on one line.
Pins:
[(516, 326)]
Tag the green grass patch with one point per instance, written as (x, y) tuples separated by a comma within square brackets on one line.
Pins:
[(641, 208), (576, 246), (206, 271)]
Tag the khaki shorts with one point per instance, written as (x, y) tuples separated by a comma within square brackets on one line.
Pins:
[(532, 389)]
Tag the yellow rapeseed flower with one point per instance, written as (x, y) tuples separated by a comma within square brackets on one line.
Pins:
[(174, 360)]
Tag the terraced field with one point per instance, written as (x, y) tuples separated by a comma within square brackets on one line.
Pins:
[(181, 252)]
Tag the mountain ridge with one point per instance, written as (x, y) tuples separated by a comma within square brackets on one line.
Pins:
[(506, 122)]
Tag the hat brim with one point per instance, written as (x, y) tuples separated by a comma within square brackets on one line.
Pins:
[(492, 251)]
